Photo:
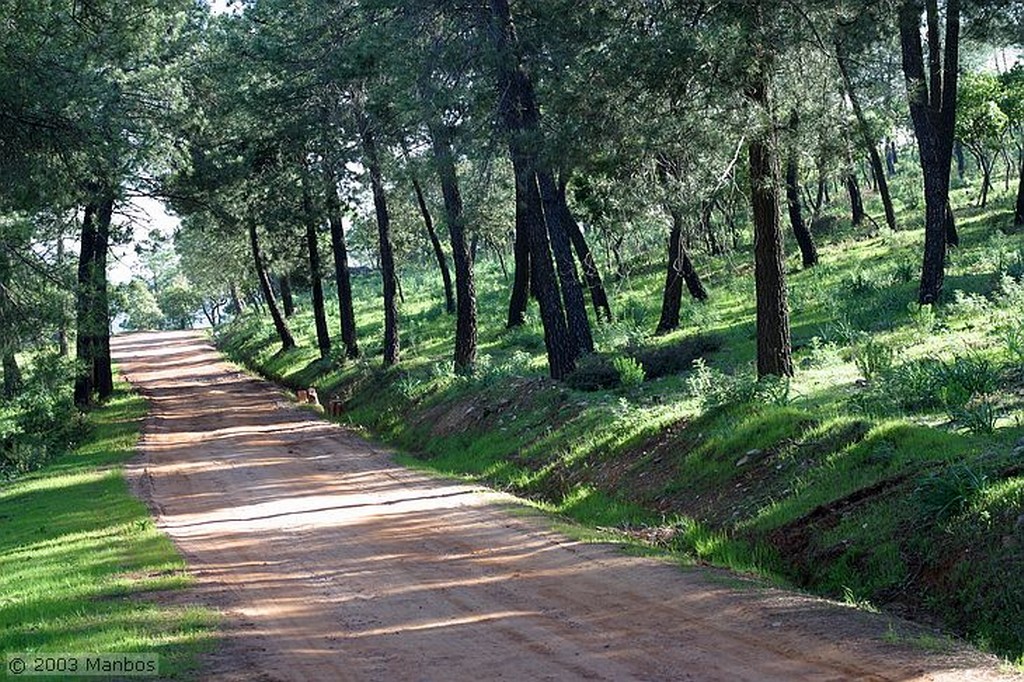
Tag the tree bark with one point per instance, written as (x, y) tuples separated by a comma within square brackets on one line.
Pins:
[(680, 270), (387, 257), (568, 278), (591, 275), (774, 345), (808, 251), (435, 243), (323, 336), (284, 284), (856, 202), (521, 272), (869, 142), (932, 103), (102, 367), (12, 374), (519, 116), (462, 256), (342, 278), (236, 300), (283, 333), (85, 338)]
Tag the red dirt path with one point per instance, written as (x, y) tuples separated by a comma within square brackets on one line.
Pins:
[(331, 562)]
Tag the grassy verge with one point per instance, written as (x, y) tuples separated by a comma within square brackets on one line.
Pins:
[(889, 471), (82, 566)]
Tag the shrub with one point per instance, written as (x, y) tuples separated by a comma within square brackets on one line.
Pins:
[(872, 357), (631, 372), (949, 493), (675, 358), (593, 373)]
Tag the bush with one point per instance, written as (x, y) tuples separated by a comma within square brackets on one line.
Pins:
[(873, 358), (631, 372), (593, 373), (949, 493), (41, 420), (675, 358)]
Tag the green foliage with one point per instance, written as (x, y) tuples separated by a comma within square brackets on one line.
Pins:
[(873, 357), (139, 306), (41, 421), (594, 373), (80, 557), (947, 494), (630, 371)]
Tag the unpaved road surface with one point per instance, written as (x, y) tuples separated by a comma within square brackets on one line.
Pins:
[(330, 562)]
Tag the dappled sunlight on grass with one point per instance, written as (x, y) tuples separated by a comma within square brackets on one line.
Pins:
[(79, 555)]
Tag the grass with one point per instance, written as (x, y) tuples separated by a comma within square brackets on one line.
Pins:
[(82, 566), (884, 472)]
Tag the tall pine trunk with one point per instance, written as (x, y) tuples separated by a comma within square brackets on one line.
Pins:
[(387, 257), (521, 270), (568, 278), (342, 277), (591, 275), (284, 284), (462, 257), (856, 202), (774, 345), (102, 365), (932, 101), (283, 333), (808, 251), (680, 270), (435, 243), (521, 126), (869, 142), (316, 275)]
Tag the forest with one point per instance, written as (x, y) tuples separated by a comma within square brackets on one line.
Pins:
[(742, 279)]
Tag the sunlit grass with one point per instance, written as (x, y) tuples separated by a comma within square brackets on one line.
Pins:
[(81, 561)]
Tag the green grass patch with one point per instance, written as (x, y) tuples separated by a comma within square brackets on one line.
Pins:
[(83, 567), (887, 471)]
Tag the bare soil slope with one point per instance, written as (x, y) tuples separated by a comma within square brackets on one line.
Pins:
[(331, 562)]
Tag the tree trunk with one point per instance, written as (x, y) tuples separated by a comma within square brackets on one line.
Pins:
[(680, 269), (591, 275), (869, 142), (12, 375), (284, 284), (521, 272), (568, 278), (387, 257), (519, 115), (102, 365), (808, 252), (462, 256), (283, 333), (932, 102), (961, 162), (323, 337), (856, 203), (774, 345), (236, 300), (85, 338), (342, 277), (435, 243)]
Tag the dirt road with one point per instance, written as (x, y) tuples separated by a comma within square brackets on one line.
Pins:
[(330, 562)]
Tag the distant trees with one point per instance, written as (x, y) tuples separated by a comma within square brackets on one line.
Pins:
[(561, 139)]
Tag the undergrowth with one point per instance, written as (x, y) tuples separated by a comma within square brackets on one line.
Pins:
[(887, 471)]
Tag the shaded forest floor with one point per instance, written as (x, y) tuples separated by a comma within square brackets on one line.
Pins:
[(888, 473)]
